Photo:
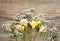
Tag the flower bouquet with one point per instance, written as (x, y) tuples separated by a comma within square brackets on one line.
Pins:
[(29, 27)]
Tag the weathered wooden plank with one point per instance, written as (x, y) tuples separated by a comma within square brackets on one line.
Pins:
[(35, 1), (50, 8)]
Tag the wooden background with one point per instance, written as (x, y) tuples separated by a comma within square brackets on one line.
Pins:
[(50, 8)]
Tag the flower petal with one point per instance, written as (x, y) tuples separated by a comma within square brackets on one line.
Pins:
[(42, 28)]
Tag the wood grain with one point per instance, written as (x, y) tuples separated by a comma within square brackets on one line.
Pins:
[(50, 8)]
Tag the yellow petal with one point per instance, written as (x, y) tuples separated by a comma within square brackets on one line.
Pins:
[(9, 29), (34, 23), (20, 27), (39, 22)]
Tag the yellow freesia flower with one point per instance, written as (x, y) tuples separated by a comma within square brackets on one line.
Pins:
[(20, 27), (35, 23), (9, 29)]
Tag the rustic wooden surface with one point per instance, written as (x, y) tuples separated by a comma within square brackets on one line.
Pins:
[(8, 8)]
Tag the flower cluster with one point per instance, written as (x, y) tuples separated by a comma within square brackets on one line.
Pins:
[(25, 24)]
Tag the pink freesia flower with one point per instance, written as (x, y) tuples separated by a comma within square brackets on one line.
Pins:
[(24, 21), (42, 28)]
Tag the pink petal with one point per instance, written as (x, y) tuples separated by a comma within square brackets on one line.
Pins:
[(42, 28)]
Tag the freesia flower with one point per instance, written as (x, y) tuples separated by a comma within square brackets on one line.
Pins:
[(24, 21), (35, 23), (43, 28), (20, 27), (8, 29)]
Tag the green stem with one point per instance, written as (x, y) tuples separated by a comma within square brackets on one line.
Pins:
[(36, 36), (23, 39), (31, 35), (24, 36), (16, 39)]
